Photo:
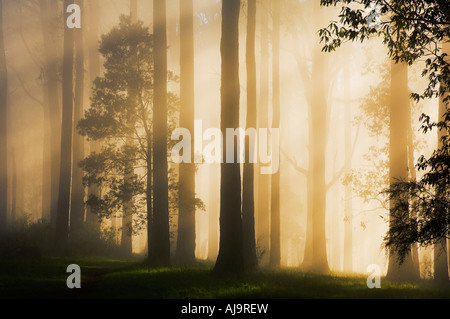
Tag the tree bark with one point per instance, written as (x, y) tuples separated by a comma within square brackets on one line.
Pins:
[(3, 130), (248, 196), (398, 157), (230, 258), (93, 17), (62, 218), (275, 240), (348, 193), (126, 243), (77, 207), (213, 213), (49, 13), (440, 249), (160, 241), (185, 252), (263, 213)]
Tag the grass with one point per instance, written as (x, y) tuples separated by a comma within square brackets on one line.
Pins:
[(104, 278)]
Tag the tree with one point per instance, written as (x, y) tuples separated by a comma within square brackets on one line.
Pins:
[(159, 244), (62, 217), (263, 211), (422, 26), (230, 258), (348, 207), (48, 14), (398, 160), (275, 249), (419, 24), (3, 128), (77, 208), (248, 195), (92, 40), (186, 219), (124, 95), (440, 248)]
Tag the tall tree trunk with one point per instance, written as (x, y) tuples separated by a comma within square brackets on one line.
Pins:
[(62, 218), (77, 210), (398, 156), (173, 34), (48, 14), (412, 176), (160, 239), (3, 129), (348, 194), (93, 17), (263, 213), (248, 196), (213, 213), (440, 249), (186, 219), (275, 243), (127, 209), (230, 258), (318, 149)]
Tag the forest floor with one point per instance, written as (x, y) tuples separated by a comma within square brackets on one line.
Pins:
[(103, 278)]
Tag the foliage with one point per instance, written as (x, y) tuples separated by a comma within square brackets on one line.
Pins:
[(425, 218), (412, 31), (120, 118)]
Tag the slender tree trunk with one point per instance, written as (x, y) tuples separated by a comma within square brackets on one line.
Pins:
[(348, 194), (398, 156), (186, 220), (77, 210), (248, 197), (263, 213), (46, 157), (93, 15), (160, 241), (127, 209), (62, 218), (275, 243), (440, 249), (231, 257), (173, 34), (48, 13), (213, 213), (413, 176), (3, 130)]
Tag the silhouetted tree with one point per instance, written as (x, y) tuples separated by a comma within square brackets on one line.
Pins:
[(248, 195), (3, 128), (77, 208), (92, 40), (159, 244), (185, 252), (398, 161), (48, 14), (62, 218), (422, 25), (263, 210), (275, 244), (440, 248), (230, 258)]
